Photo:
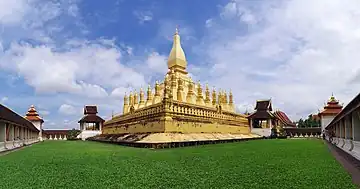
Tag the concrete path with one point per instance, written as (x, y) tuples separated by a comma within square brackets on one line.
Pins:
[(350, 164)]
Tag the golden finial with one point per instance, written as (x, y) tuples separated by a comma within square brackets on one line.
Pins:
[(177, 30)]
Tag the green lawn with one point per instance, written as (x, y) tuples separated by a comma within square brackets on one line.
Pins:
[(252, 164)]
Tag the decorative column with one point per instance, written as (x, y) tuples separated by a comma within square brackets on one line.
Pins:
[(157, 97), (356, 134), (142, 99), (347, 144), (180, 91), (149, 96), (136, 100), (199, 96), (214, 97), (126, 104), (2, 136)]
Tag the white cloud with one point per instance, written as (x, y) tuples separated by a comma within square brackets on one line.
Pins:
[(4, 99), (12, 11), (208, 23), (157, 63), (143, 16), (120, 92), (298, 52), (67, 109), (43, 113)]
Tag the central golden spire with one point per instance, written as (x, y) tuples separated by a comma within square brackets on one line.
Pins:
[(177, 60)]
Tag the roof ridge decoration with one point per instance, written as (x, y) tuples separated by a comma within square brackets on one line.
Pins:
[(32, 114)]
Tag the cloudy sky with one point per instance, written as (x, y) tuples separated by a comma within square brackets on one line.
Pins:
[(63, 54)]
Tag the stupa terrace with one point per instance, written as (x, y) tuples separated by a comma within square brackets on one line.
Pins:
[(178, 105)]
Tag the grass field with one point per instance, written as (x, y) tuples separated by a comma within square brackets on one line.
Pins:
[(252, 164)]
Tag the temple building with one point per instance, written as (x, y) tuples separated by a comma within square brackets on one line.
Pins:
[(264, 119), (179, 105), (15, 130), (35, 119), (331, 109), (90, 124)]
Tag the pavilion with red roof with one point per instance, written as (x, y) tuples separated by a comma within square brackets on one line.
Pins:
[(264, 119), (331, 109), (35, 119)]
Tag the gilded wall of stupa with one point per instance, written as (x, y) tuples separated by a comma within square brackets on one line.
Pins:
[(178, 104)]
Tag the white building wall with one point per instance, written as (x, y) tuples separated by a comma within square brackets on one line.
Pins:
[(325, 120), (38, 125)]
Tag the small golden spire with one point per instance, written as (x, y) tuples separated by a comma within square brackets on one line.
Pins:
[(149, 95), (131, 98), (214, 96), (207, 94), (177, 30), (142, 100), (126, 99), (177, 59), (157, 88), (136, 99), (225, 97)]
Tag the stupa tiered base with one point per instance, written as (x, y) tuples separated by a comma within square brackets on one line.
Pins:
[(177, 111), (171, 140)]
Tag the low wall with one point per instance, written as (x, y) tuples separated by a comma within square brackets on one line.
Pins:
[(350, 146), (11, 145), (136, 127), (173, 144), (303, 132)]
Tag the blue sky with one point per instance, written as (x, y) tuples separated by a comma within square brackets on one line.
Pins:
[(63, 54)]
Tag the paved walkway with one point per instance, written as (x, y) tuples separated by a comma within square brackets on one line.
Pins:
[(351, 164)]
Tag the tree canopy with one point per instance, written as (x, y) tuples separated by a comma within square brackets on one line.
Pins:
[(308, 122)]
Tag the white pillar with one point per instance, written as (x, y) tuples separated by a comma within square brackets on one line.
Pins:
[(356, 134), (2, 136)]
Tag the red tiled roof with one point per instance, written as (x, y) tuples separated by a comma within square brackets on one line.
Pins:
[(284, 118), (332, 107), (91, 118), (263, 105), (8, 115), (261, 115), (90, 110), (32, 114), (56, 131)]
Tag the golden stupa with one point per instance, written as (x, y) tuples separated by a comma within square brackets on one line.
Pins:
[(178, 105)]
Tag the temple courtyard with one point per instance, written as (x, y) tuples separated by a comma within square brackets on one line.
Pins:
[(251, 164)]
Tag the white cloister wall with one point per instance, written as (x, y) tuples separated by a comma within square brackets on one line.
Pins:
[(17, 136), (347, 133)]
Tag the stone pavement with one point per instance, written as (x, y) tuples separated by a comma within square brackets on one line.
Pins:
[(351, 164)]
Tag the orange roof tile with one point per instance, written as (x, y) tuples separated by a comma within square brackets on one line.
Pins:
[(32, 114), (332, 107)]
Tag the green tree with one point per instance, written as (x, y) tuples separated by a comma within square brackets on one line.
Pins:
[(308, 122), (72, 134)]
